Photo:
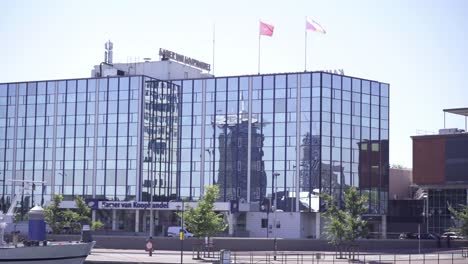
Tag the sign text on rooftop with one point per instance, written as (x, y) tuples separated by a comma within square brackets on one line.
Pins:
[(184, 59)]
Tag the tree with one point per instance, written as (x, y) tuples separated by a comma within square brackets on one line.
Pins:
[(54, 215), (203, 221), (335, 229), (84, 214), (355, 207), (345, 225), (462, 218), (58, 218)]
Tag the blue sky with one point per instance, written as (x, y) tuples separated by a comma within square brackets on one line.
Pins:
[(419, 47)]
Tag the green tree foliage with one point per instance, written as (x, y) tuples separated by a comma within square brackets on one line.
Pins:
[(462, 218), (96, 225), (83, 210), (84, 214), (58, 218), (203, 221), (335, 229), (355, 207), (345, 224), (54, 215)]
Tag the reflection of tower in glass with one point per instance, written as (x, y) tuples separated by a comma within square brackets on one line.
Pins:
[(160, 126), (314, 174), (309, 174), (233, 151)]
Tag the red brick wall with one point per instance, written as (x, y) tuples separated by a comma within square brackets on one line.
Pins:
[(428, 160)]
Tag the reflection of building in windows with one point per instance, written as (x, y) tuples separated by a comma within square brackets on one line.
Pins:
[(160, 138), (313, 173), (310, 160), (373, 167), (373, 173), (233, 149)]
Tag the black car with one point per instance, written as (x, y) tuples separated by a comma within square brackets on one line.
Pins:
[(408, 235), (417, 236), (430, 236)]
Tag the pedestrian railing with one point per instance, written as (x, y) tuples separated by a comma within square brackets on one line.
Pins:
[(458, 257), (465, 252)]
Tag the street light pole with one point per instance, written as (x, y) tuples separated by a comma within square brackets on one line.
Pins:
[(150, 172), (275, 207), (426, 211), (64, 175), (182, 235), (267, 208), (209, 171)]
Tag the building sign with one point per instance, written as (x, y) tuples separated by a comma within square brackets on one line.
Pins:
[(160, 206), (184, 59), (335, 71), (132, 205)]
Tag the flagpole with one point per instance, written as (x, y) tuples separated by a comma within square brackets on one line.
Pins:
[(259, 50), (214, 32), (305, 50)]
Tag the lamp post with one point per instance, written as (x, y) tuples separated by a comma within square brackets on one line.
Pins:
[(150, 173), (63, 180), (275, 207), (181, 232), (209, 171), (425, 215), (267, 208), (426, 211)]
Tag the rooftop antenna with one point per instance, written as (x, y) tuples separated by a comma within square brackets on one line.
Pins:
[(108, 53), (241, 98)]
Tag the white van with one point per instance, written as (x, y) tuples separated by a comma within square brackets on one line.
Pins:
[(173, 231)]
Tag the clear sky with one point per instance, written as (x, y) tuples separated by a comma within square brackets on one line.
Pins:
[(419, 47)]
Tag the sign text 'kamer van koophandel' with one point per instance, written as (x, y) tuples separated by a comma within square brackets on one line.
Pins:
[(184, 59)]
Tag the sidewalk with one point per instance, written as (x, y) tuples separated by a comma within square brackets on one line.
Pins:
[(111, 256), (119, 256)]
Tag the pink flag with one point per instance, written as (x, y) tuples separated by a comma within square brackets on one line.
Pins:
[(266, 29), (314, 26)]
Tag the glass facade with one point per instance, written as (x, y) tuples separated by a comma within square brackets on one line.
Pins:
[(436, 214), (79, 136), (288, 136)]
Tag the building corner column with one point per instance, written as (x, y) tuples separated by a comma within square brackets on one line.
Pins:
[(144, 229), (384, 226), (231, 223), (137, 221), (318, 226), (114, 220)]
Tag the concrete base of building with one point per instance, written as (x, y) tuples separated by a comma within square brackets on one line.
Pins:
[(264, 244)]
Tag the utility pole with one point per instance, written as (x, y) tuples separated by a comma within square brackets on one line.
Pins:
[(275, 207)]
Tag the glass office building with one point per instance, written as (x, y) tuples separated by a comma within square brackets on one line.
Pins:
[(293, 135), (288, 136)]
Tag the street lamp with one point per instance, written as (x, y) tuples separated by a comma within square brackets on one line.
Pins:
[(209, 171), (149, 159), (426, 211), (267, 208), (274, 208), (64, 174), (181, 232)]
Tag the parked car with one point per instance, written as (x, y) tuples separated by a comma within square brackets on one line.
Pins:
[(453, 235), (173, 231), (408, 235), (429, 236)]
